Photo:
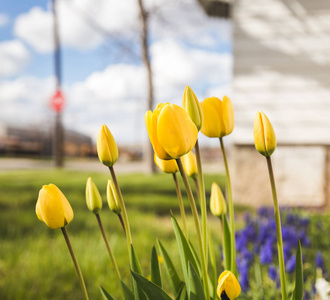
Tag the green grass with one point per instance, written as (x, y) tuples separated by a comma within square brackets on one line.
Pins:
[(34, 260)]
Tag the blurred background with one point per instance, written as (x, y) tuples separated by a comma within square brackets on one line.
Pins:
[(69, 66)]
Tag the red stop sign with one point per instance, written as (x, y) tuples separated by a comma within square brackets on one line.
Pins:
[(57, 101)]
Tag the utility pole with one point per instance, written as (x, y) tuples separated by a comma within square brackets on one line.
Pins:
[(58, 132), (149, 153)]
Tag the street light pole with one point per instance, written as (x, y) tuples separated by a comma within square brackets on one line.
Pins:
[(58, 133)]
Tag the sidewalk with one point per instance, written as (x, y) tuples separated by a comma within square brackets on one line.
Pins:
[(87, 164)]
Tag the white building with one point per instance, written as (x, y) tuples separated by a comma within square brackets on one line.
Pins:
[(282, 67)]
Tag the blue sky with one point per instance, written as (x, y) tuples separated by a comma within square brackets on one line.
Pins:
[(104, 80)]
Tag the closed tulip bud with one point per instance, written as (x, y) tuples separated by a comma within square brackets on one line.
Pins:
[(53, 208), (218, 117), (106, 147), (112, 198), (167, 166), (192, 106), (228, 286), (218, 204), (190, 164), (171, 131), (264, 135), (93, 197)]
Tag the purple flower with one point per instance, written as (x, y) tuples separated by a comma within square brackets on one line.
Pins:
[(290, 264), (272, 272), (319, 260), (266, 254)]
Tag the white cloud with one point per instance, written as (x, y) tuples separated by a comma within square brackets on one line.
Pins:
[(116, 97), (79, 23), (4, 19), (13, 56), (26, 100), (36, 27), (176, 66)]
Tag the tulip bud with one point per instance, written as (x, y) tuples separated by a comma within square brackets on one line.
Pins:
[(228, 286), (218, 204), (53, 208), (112, 198), (264, 135), (93, 197), (190, 164), (167, 166), (192, 106), (218, 117), (106, 147)]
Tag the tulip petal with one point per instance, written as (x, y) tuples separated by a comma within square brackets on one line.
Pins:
[(228, 115), (176, 132)]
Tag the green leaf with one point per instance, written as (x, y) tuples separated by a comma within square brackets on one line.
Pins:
[(136, 267), (155, 271), (198, 263), (184, 250), (105, 294), (196, 291), (226, 242), (152, 290), (298, 291), (182, 294), (172, 274), (128, 294), (213, 264)]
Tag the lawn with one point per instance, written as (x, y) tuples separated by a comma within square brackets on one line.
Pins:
[(35, 262)]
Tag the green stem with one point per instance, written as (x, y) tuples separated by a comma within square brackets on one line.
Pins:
[(122, 222), (197, 191), (222, 234), (75, 262), (198, 227), (231, 211), (183, 214), (278, 229), (202, 199), (123, 209), (112, 257)]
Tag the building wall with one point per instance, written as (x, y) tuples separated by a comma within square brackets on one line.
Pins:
[(282, 67)]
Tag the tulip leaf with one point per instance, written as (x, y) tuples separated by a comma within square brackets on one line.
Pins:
[(152, 290), (182, 294), (196, 290), (136, 267), (155, 271), (105, 294), (185, 251), (172, 274), (198, 263), (213, 266), (298, 291), (128, 294), (226, 242)]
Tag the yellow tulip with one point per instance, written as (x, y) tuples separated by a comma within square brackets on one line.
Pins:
[(93, 197), (217, 202), (264, 135), (53, 208), (218, 117), (228, 285), (112, 198), (192, 106), (106, 147), (190, 164), (171, 131), (167, 166)]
